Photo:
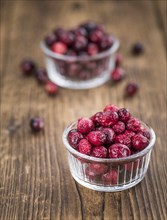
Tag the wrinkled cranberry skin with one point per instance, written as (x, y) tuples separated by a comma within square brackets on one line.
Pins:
[(131, 89), (106, 42), (59, 48), (41, 76), (85, 125), (110, 135), (96, 138), (36, 124), (139, 142), (67, 38), (80, 43), (96, 118), (145, 132), (117, 74), (133, 124), (110, 177), (84, 147), (89, 26), (96, 36), (112, 108), (50, 40), (124, 114), (129, 133), (98, 168), (118, 151), (92, 49), (123, 139), (119, 127), (99, 151), (74, 137), (28, 67), (137, 48), (51, 88), (108, 118)]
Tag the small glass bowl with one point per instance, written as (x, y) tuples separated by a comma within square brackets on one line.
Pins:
[(80, 72), (89, 171)]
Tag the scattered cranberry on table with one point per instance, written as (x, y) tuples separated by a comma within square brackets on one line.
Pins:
[(117, 74), (131, 89), (41, 76), (36, 124), (28, 67), (137, 48), (118, 60), (51, 88)]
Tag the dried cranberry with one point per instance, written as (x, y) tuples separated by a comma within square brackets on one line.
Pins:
[(96, 138), (106, 42), (137, 48), (118, 151), (99, 151), (74, 137), (124, 114), (117, 74), (89, 26), (123, 139), (111, 177), (41, 76), (112, 108), (85, 125), (145, 132), (92, 49), (133, 124), (36, 124), (108, 118), (118, 60), (131, 89), (59, 48), (139, 142), (51, 88), (95, 169), (67, 38), (50, 40), (110, 135), (96, 36), (84, 147), (28, 67), (96, 118), (119, 127), (129, 133), (80, 43)]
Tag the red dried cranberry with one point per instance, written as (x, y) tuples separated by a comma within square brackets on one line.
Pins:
[(112, 108), (51, 88), (28, 67), (119, 127), (96, 138), (124, 114), (139, 142), (80, 32), (50, 40), (133, 124), (117, 74), (96, 36), (118, 60), (123, 139), (74, 137), (59, 48), (110, 135), (131, 89), (99, 151), (137, 48), (90, 174), (58, 32), (129, 133), (84, 147), (41, 76), (106, 42), (96, 118), (118, 151), (108, 118), (36, 124), (67, 38), (92, 49), (110, 177), (89, 26), (80, 43), (145, 132), (85, 125), (97, 168)]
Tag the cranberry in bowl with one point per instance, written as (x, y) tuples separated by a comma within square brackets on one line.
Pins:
[(80, 58), (109, 151)]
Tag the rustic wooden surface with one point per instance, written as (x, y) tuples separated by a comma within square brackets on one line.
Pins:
[(35, 182)]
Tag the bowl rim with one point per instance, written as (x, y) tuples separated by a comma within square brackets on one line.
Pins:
[(95, 159), (110, 51)]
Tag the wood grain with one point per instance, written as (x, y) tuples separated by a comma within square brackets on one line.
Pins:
[(35, 182)]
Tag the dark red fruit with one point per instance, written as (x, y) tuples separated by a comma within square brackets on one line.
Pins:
[(36, 124), (118, 151), (145, 132), (80, 32), (123, 139), (71, 53), (96, 36), (131, 89), (96, 118), (58, 32), (41, 76), (129, 133), (84, 147), (51, 88), (119, 127), (110, 135), (139, 142), (99, 151), (92, 49), (85, 125), (28, 67), (50, 40), (97, 168), (80, 43), (89, 26), (59, 48), (74, 137), (118, 60), (124, 114), (112, 108), (137, 48), (108, 118), (117, 74), (67, 38), (96, 138), (106, 42), (133, 124), (110, 177)]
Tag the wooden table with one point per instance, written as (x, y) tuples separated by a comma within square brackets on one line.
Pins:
[(35, 182)]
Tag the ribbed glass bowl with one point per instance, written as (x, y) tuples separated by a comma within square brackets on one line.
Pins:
[(80, 72), (88, 171)]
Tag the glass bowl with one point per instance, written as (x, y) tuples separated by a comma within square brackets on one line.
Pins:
[(90, 171), (80, 72)]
